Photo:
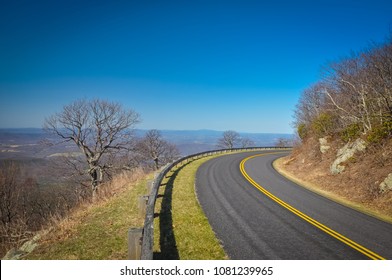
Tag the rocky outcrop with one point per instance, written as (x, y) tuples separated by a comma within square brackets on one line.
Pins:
[(27, 247), (324, 147), (346, 153), (14, 254), (386, 185)]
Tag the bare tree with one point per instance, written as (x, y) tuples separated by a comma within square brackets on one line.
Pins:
[(17, 215), (246, 142), (354, 96), (10, 191), (310, 104), (153, 147), (229, 140), (98, 128), (25, 206), (282, 143)]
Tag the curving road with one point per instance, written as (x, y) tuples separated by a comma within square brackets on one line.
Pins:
[(259, 214)]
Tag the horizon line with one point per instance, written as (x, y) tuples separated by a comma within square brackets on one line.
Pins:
[(201, 129)]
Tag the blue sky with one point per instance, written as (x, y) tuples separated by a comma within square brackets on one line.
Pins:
[(219, 65)]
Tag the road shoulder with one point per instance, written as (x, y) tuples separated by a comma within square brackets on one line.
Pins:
[(278, 165)]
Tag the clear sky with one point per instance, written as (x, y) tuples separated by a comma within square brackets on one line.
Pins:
[(219, 65)]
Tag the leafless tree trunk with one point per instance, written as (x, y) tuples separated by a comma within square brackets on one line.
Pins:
[(98, 128), (282, 143), (355, 92), (246, 143), (9, 193), (153, 147), (229, 140)]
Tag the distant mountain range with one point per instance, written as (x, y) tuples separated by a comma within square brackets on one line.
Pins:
[(25, 143), (193, 141)]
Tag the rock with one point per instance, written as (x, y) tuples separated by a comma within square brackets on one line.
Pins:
[(336, 168), (324, 147), (13, 254), (287, 162), (27, 247), (346, 153), (386, 185)]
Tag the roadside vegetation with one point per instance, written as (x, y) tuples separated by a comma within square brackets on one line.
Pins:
[(182, 231), (353, 99), (231, 139), (103, 133), (344, 128), (97, 231), (91, 195)]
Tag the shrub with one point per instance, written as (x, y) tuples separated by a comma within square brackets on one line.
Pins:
[(302, 131), (323, 124), (351, 132), (380, 132)]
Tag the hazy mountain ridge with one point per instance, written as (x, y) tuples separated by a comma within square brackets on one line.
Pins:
[(24, 143)]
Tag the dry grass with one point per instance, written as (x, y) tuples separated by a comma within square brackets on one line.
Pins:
[(98, 230)]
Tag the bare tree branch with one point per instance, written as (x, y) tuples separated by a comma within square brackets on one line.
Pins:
[(230, 139), (153, 147), (97, 127)]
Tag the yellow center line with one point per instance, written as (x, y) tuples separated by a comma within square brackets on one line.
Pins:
[(310, 220)]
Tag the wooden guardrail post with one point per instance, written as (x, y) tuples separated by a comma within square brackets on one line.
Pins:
[(135, 236), (150, 184), (142, 205)]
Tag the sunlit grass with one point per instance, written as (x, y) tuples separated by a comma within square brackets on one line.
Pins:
[(97, 232), (184, 231)]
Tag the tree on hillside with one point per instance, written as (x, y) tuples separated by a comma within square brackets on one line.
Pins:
[(10, 191), (246, 142), (100, 129), (153, 147), (354, 98), (229, 140), (282, 143)]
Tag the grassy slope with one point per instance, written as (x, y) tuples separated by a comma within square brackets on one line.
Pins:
[(97, 232), (183, 231)]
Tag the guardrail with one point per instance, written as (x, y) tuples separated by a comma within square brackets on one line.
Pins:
[(148, 229)]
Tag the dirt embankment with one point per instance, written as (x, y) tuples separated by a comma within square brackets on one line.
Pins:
[(359, 182)]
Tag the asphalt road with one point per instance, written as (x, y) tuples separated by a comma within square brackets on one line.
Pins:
[(252, 225)]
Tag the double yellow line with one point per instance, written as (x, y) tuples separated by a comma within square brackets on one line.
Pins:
[(310, 220)]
